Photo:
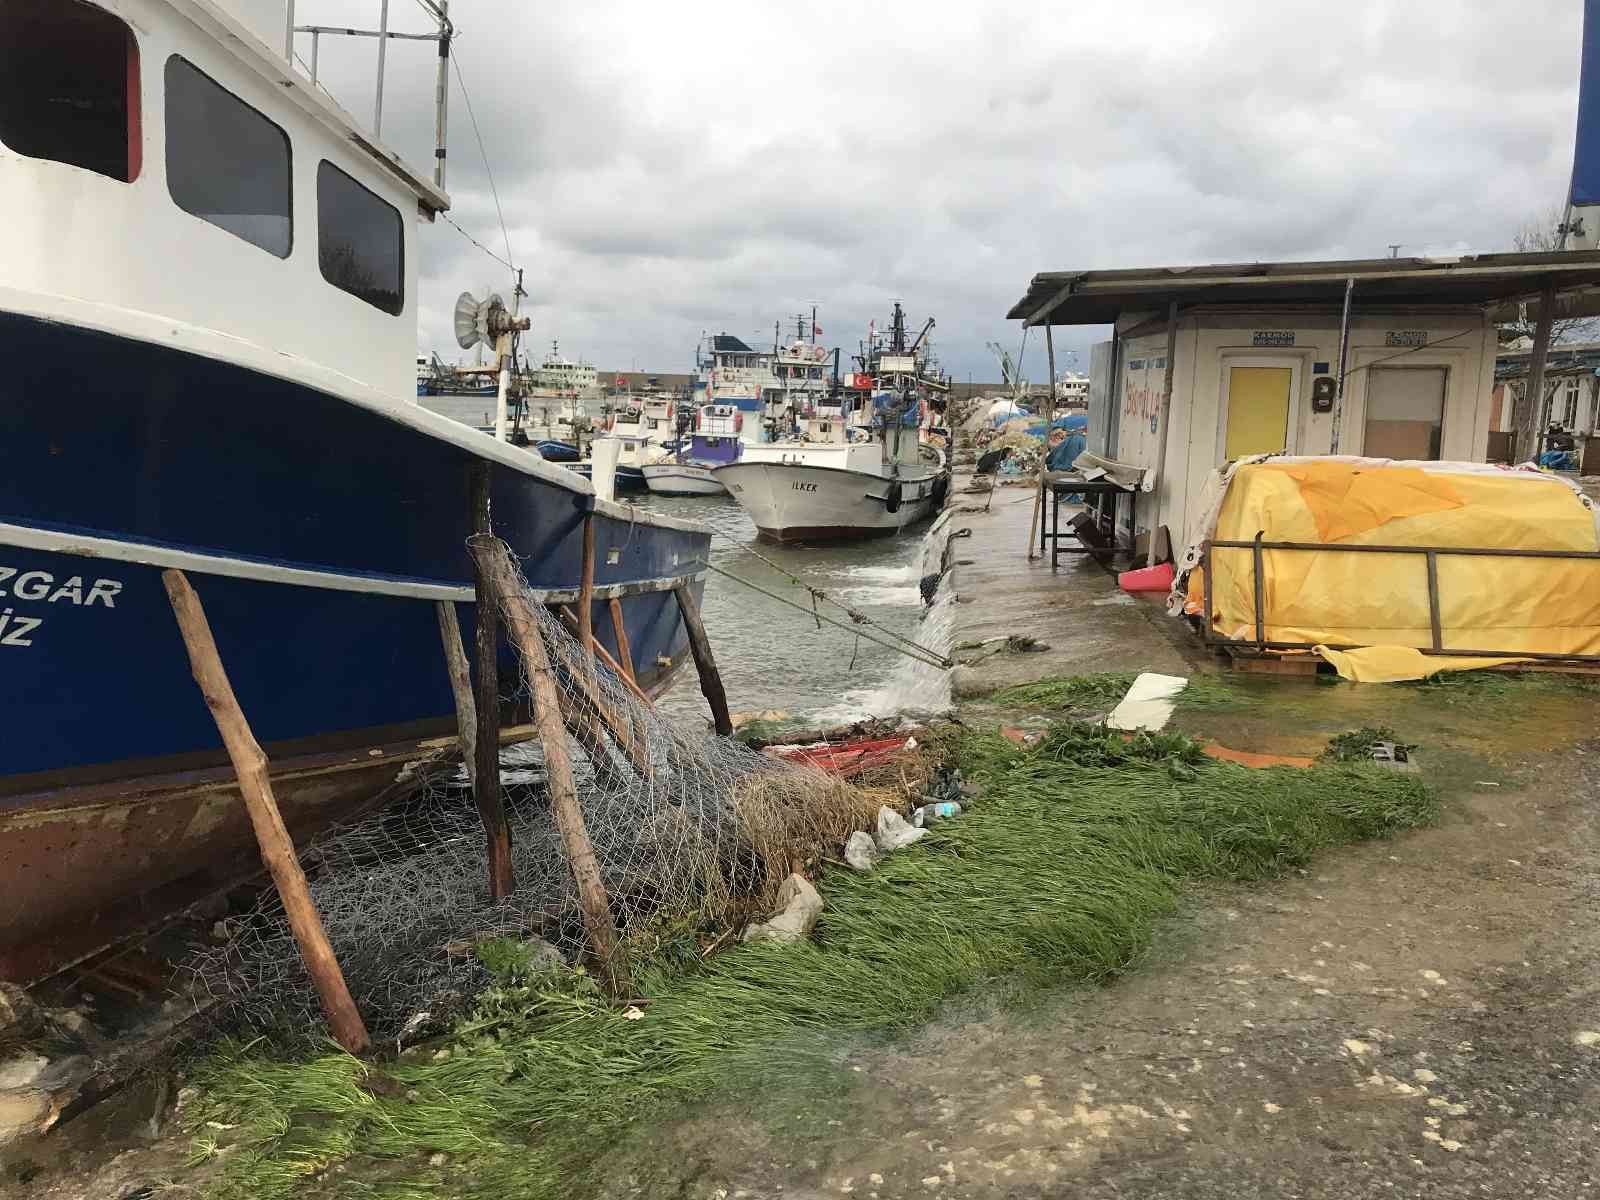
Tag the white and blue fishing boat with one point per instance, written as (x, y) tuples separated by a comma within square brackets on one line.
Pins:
[(208, 298), (640, 429), (713, 442), (728, 371)]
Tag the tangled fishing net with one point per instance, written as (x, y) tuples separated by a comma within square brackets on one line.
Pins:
[(687, 829)]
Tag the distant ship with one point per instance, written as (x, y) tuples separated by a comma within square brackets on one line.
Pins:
[(563, 376)]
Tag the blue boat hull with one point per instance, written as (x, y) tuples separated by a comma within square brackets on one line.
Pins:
[(112, 776), (131, 442), (629, 479)]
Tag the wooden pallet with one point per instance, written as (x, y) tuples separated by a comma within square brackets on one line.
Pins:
[(1300, 665), (1271, 662)]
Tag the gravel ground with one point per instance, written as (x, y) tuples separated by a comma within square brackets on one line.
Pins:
[(1412, 1017)]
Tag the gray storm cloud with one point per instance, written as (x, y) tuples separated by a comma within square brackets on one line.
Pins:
[(668, 169)]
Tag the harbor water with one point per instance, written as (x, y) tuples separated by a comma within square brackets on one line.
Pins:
[(773, 657)]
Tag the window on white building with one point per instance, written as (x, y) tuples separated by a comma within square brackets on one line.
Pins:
[(1569, 402)]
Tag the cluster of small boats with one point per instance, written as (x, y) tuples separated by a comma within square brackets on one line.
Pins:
[(810, 452)]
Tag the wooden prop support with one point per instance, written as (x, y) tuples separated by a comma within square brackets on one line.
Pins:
[(592, 703), (705, 664), (255, 785), (486, 777), (500, 581), (455, 659), (586, 594), (624, 657), (604, 655), (623, 663)]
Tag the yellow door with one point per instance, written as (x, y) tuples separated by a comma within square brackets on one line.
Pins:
[(1258, 410)]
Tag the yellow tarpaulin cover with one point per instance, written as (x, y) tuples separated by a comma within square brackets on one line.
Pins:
[(1391, 664), (1499, 606)]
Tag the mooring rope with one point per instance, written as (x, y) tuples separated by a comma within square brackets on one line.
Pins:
[(856, 616), (911, 649)]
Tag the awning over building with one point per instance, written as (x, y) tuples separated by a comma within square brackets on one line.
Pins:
[(1503, 282)]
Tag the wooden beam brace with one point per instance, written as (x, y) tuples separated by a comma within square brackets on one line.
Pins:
[(486, 753), (619, 630), (455, 661), (255, 785), (500, 578), (705, 664), (604, 655)]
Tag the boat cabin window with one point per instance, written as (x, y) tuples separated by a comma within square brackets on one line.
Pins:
[(360, 240), (69, 86), (227, 163)]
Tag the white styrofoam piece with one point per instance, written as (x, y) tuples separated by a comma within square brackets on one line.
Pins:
[(1149, 702)]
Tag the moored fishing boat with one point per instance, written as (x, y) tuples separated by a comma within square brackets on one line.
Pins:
[(320, 513), (641, 430), (858, 466), (713, 442)]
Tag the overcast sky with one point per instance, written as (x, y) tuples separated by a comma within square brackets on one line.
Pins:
[(671, 168)]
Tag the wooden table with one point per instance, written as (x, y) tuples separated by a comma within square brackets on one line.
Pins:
[(1067, 483)]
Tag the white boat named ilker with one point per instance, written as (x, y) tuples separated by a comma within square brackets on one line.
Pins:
[(859, 466)]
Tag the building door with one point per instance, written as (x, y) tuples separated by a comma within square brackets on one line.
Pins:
[(1405, 412), (1258, 410)]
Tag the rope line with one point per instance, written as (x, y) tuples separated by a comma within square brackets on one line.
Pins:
[(477, 243), (858, 617), (461, 79), (920, 653)]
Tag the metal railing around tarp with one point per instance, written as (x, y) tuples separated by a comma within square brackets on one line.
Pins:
[(1258, 548)]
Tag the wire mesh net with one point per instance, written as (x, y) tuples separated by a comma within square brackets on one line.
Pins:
[(685, 828)]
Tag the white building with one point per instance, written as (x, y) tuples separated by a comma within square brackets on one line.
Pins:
[(1256, 356)]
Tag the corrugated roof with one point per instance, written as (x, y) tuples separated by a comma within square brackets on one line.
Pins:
[(1099, 297)]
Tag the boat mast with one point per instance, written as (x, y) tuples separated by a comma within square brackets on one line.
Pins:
[(439, 9)]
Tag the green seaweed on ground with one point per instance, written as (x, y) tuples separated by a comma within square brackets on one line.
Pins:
[(1475, 686), (1100, 692), (762, 731), (1058, 875), (1085, 744), (1357, 744)]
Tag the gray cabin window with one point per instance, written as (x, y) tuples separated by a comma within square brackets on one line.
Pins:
[(360, 240), (69, 86), (227, 163)]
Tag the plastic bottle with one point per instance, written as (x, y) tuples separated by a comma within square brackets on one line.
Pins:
[(929, 813)]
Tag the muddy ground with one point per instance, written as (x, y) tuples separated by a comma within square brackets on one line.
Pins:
[(1417, 1017)]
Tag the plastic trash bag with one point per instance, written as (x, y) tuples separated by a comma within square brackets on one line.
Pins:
[(800, 905), (861, 852), (894, 831)]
